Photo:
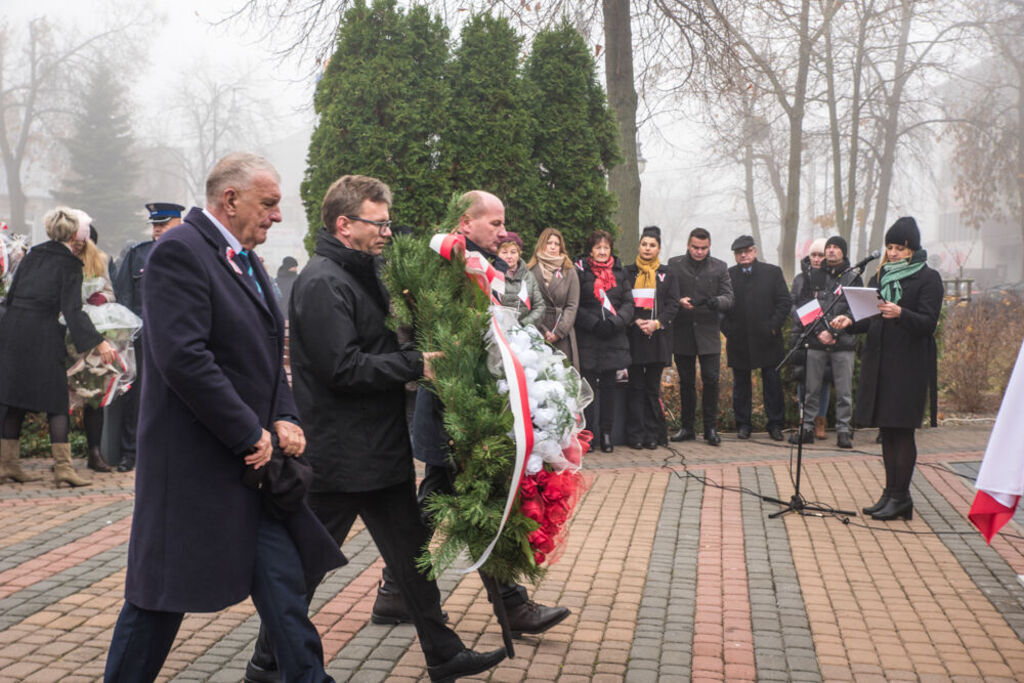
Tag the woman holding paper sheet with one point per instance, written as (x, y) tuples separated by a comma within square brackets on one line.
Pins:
[(898, 360)]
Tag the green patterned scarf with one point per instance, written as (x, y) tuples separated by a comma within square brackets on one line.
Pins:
[(894, 271)]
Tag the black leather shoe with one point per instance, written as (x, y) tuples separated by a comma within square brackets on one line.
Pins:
[(389, 609), (844, 440), (776, 433), (466, 663), (712, 437), (635, 445), (683, 434), (125, 467), (650, 445), (743, 432), (802, 435), (899, 506), (606, 443), (254, 673), (877, 506), (530, 617)]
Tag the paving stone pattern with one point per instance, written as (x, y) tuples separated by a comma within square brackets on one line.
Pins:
[(668, 579)]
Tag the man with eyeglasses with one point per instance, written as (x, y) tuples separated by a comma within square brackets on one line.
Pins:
[(349, 373)]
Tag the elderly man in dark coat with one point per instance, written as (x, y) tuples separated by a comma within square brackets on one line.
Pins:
[(705, 294), (201, 539), (753, 330), (350, 374)]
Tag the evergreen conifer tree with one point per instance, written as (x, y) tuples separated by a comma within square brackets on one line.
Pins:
[(381, 103), (488, 140), (575, 139), (103, 170)]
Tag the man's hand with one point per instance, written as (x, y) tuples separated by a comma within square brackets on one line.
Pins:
[(260, 455), (840, 322), (685, 303), (428, 367), (826, 338), (291, 438)]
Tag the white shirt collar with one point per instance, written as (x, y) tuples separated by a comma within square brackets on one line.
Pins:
[(231, 239)]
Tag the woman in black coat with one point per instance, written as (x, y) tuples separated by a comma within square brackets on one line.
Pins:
[(655, 303), (605, 310), (898, 360), (47, 284)]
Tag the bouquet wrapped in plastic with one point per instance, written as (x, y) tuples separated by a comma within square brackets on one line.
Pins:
[(12, 249), (91, 381)]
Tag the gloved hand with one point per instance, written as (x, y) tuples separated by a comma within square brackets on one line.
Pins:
[(712, 303), (96, 299), (604, 329), (698, 301)]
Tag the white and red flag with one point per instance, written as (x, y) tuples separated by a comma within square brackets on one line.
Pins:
[(1000, 480), (524, 294), (606, 303), (644, 297), (809, 312)]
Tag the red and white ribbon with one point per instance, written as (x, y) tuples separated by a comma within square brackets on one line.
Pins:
[(478, 268), (230, 253)]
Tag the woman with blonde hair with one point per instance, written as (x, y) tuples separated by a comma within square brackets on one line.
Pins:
[(560, 287), (47, 284)]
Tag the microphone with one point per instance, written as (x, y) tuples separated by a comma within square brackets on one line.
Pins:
[(859, 266)]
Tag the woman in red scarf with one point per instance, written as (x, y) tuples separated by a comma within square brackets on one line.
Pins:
[(605, 310)]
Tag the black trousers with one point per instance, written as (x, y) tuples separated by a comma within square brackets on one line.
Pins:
[(899, 455), (646, 423), (392, 517), (742, 393), (603, 406), (142, 638), (130, 416), (687, 368)]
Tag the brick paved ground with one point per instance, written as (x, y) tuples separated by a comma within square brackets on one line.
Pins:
[(667, 578)]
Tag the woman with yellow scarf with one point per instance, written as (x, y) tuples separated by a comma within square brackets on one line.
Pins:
[(655, 302)]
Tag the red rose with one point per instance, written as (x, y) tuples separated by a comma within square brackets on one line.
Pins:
[(557, 513), (542, 478), (558, 487), (528, 488), (539, 540), (534, 509), (539, 557), (96, 299)]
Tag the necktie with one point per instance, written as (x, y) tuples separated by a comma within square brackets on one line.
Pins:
[(746, 271), (247, 265)]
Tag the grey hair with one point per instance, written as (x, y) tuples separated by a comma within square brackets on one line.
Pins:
[(61, 224), (236, 170)]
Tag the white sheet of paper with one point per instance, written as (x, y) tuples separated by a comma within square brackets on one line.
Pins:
[(863, 301)]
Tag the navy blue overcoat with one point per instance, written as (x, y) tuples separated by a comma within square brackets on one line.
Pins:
[(214, 378)]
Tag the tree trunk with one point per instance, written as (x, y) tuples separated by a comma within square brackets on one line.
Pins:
[(891, 126), (835, 136), (1020, 156), (624, 179), (791, 217), (748, 192)]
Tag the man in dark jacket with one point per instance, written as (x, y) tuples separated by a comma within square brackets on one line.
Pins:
[(830, 347), (201, 539), (705, 292), (350, 374), (753, 330)]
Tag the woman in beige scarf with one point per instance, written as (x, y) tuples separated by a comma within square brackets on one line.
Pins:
[(554, 272)]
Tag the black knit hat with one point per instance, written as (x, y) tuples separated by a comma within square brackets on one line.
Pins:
[(839, 242), (652, 231), (905, 233)]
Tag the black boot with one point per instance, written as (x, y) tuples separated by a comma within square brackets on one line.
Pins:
[(606, 443), (899, 506), (877, 506), (95, 461), (389, 607), (684, 434), (712, 437)]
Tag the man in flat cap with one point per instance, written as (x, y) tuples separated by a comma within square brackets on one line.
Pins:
[(128, 289), (753, 330)]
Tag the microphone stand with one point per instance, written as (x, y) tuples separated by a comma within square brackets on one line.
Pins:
[(796, 502)]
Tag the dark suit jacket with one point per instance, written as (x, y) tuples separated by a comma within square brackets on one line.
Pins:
[(214, 347), (753, 326)]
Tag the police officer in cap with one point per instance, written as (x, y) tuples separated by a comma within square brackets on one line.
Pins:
[(128, 289)]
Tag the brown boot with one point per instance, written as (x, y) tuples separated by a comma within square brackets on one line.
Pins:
[(819, 428), (95, 461), (10, 462), (63, 472)]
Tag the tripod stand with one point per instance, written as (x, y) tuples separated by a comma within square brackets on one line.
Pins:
[(796, 502)]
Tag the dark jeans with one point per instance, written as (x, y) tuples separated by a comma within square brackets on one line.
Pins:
[(899, 454), (603, 406), (774, 403), (687, 368), (142, 638), (646, 423), (392, 517)]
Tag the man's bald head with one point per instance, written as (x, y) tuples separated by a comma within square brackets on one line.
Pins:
[(484, 220)]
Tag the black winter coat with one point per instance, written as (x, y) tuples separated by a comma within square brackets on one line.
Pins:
[(753, 326), (214, 380), (899, 355), (599, 352), (822, 284), (349, 372), (656, 348), (33, 374), (698, 332)]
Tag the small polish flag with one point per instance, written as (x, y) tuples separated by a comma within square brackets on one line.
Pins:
[(606, 303), (524, 295), (643, 298), (809, 312)]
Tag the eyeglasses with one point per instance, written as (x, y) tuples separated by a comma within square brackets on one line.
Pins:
[(381, 225)]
